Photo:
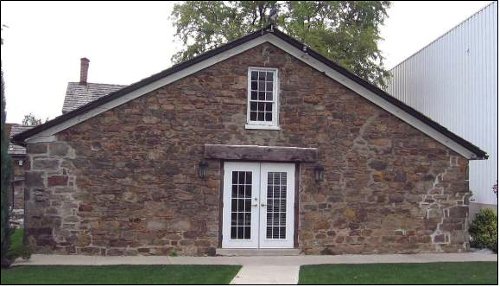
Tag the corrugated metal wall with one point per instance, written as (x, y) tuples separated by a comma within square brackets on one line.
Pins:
[(453, 80)]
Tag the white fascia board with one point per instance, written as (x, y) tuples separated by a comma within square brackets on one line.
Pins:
[(302, 56)]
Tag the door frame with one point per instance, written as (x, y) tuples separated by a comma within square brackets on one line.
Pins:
[(294, 170)]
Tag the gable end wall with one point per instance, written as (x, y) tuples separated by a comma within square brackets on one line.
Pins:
[(125, 182)]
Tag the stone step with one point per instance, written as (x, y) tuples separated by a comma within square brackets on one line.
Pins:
[(257, 252)]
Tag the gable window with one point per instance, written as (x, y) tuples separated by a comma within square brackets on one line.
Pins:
[(262, 108)]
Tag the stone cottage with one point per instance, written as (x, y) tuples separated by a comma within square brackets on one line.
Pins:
[(260, 144)]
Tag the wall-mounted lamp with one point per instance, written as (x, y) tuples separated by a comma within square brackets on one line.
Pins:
[(202, 169), (319, 172)]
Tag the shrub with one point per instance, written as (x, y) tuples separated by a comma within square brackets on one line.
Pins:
[(483, 230), (17, 246), (5, 185)]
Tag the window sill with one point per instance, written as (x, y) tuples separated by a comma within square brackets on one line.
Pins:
[(261, 127)]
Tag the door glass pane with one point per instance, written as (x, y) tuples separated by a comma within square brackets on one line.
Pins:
[(241, 200), (276, 205)]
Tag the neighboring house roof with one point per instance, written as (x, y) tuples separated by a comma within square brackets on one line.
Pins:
[(279, 39), (78, 94), (14, 149)]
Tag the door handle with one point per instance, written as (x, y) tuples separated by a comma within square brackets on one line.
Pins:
[(263, 204), (256, 201)]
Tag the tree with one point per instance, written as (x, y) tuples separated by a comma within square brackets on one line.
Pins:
[(31, 120), (5, 184), (343, 31)]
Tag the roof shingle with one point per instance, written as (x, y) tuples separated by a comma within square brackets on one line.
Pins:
[(15, 149), (78, 95)]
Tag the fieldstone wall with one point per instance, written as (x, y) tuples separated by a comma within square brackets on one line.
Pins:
[(125, 182)]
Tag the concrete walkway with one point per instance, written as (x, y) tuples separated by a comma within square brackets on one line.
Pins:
[(258, 269)]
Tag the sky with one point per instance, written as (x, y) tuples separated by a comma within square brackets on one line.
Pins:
[(129, 41)]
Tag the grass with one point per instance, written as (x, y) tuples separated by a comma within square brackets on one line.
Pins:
[(120, 274), (401, 273)]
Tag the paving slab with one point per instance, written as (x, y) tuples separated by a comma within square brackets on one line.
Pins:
[(41, 259), (267, 274)]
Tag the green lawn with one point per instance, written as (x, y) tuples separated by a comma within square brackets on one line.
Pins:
[(120, 274), (408, 273)]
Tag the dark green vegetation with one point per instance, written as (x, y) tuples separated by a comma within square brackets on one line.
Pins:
[(483, 230), (408, 273), (17, 247), (120, 274), (346, 32), (5, 184)]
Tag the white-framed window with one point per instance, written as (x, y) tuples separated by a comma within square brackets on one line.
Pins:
[(262, 108)]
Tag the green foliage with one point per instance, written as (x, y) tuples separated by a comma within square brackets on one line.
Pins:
[(483, 230), (344, 31), (5, 185), (18, 248), (31, 120)]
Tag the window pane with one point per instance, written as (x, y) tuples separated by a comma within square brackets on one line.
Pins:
[(247, 233), (261, 107), (234, 189), (247, 204), (253, 95), (248, 179), (248, 191), (262, 85), (269, 107), (269, 86), (269, 96), (241, 191), (254, 75), (262, 76), (254, 85), (269, 117), (260, 116), (270, 76), (234, 205), (282, 232), (233, 218), (253, 106), (240, 232), (235, 177), (262, 96), (253, 116)]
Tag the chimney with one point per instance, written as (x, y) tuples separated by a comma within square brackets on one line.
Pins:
[(84, 70)]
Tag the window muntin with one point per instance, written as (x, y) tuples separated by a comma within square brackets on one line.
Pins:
[(262, 97)]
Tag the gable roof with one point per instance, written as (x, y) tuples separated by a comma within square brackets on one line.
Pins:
[(78, 94), (14, 149), (46, 131)]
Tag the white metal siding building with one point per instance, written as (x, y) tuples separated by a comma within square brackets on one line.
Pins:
[(453, 80)]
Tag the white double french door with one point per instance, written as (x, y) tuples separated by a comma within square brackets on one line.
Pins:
[(258, 210)]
